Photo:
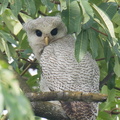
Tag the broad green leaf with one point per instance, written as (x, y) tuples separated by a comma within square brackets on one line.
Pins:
[(87, 14), (117, 67), (1, 99), (63, 5), (97, 2), (81, 45), (116, 18), (93, 42), (14, 100), (6, 49), (86, 8), (111, 95), (110, 8), (7, 37), (12, 23), (106, 22), (3, 5), (30, 6), (16, 6), (47, 3), (111, 82), (72, 17), (107, 51)]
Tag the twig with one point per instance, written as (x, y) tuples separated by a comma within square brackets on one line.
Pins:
[(67, 96), (99, 31), (41, 13), (104, 81), (103, 58), (25, 70), (113, 112), (117, 88), (20, 19), (55, 2)]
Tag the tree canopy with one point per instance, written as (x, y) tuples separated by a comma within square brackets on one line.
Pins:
[(96, 27)]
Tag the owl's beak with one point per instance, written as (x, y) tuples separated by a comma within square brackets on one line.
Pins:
[(46, 40)]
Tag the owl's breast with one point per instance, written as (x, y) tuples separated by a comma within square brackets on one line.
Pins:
[(61, 71)]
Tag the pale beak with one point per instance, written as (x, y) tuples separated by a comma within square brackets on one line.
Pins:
[(46, 40)]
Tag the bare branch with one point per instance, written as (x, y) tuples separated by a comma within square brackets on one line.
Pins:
[(67, 96), (99, 31), (104, 81), (49, 110), (113, 111), (25, 70)]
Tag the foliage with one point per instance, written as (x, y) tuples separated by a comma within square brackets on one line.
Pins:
[(11, 96), (96, 26)]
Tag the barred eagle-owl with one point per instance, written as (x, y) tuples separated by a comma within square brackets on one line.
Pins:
[(54, 49)]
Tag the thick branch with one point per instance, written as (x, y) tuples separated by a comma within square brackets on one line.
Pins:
[(67, 96), (49, 110)]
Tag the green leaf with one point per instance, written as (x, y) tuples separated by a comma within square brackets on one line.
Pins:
[(14, 100), (117, 67), (30, 6), (93, 42), (81, 45), (87, 14), (6, 49), (16, 6), (7, 37), (63, 5), (11, 21), (72, 17), (3, 5), (107, 51), (110, 8), (111, 82), (116, 18), (1, 99), (105, 19), (47, 3)]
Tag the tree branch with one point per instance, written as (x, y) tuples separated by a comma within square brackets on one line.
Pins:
[(104, 81), (67, 96)]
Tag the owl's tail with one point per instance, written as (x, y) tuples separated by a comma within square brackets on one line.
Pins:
[(77, 110)]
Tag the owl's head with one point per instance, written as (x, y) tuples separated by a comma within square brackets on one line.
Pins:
[(43, 31)]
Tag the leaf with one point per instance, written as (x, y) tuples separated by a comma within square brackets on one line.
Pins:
[(111, 82), (110, 8), (63, 5), (1, 99), (81, 45), (3, 5), (107, 51), (30, 6), (11, 21), (93, 42), (72, 17), (105, 19), (7, 37), (48, 4), (6, 49), (16, 6), (87, 14), (116, 18), (117, 67)]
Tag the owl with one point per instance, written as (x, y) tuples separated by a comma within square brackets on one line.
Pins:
[(54, 49)]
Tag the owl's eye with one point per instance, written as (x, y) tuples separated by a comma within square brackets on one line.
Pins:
[(54, 31), (38, 33)]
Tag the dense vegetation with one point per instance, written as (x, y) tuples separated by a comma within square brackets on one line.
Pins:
[(96, 26)]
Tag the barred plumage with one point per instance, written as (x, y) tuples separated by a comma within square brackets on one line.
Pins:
[(60, 70)]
